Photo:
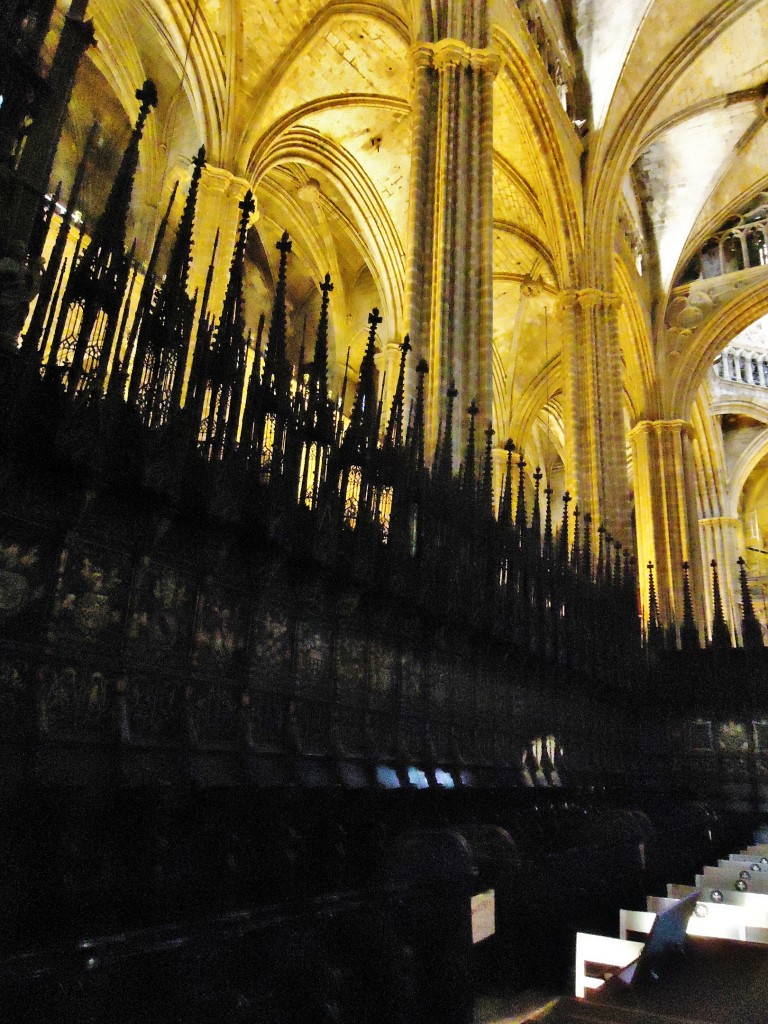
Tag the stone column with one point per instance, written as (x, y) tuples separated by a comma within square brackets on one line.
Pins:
[(449, 273), (218, 209), (36, 162), (23, 188), (421, 195), (499, 474), (388, 367), (667, 534), (722, 539), (21, 83), (596, 469)]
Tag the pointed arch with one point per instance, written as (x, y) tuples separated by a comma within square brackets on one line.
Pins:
[(374, 226), (265, 142), (561, 204), (546, 384), (615, 151), (755, 451), (183, 27), (750, 303), (640, 383), (336, 8)]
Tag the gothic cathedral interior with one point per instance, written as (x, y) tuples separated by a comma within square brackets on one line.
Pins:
[(383, 438)]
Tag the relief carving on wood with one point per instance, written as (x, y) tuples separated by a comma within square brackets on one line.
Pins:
[(267, 719), (215, 713), (74, 701), (220, 643), (21, 579), (412, 676), (382, 674), (350, 666), (313, 657), (159, 627), (153, 708), (14, 699), (90, 597), (270, 662)]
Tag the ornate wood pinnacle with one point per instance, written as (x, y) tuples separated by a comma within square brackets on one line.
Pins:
[(147, 97), (248, 206), (325, 285)]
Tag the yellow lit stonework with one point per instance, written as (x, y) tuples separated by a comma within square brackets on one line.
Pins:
[(521, 186)]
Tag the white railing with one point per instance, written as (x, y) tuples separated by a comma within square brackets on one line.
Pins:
[(741, 244), (743, 366), (739, 247)]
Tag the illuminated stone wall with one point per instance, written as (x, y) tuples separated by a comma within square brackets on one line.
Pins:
[(519, 185)]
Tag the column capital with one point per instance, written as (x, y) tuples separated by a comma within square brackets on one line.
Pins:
[(586, 299), (422, 55), (451, 53), (714, 521), (218, 211), (487, 61), (454, 53), (218, 179), (383, 357), (223, 186), (659, 427)]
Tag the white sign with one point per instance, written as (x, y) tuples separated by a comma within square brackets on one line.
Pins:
[(483, 915)]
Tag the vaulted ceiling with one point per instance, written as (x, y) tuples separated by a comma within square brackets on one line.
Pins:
[(662, 131)]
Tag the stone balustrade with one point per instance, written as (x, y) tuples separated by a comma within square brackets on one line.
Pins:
[(551, 50), (743, 365), (740, 245)]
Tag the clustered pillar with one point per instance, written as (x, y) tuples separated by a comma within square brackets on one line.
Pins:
[(667, 536), (218, 212), (595, 431), (36, 160), (388, 366), (449, 278), (32, 110), (723, 542)]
